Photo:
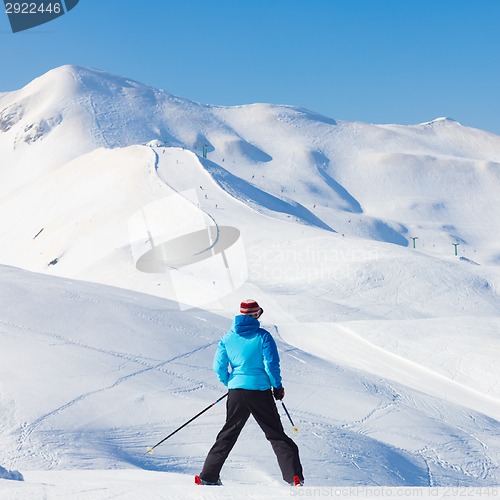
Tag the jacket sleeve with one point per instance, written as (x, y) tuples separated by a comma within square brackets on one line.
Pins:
[(221, 363), (271, 360)]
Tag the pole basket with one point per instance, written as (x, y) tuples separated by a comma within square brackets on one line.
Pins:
[(295, 428)]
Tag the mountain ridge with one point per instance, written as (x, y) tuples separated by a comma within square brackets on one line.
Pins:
[(370, 181)]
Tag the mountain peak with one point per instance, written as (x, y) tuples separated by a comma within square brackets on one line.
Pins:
[(443, 121), (60, 78), (70, 78), (112, 110)]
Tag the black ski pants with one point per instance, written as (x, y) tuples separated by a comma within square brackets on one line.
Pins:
[(242, 403)]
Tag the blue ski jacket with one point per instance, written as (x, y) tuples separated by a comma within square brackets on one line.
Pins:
[(247, 357)]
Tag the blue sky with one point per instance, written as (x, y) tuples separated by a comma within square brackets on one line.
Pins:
[(377, 61)]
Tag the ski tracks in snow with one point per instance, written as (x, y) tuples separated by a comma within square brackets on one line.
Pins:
[(27, 429), (456, 454)]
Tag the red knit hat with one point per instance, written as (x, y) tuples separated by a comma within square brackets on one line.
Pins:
[(249, 306)]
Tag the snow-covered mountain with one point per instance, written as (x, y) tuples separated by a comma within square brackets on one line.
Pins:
[(345, 232), (384, 182)]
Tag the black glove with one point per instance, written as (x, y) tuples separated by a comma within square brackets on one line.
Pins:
[(279, 393)]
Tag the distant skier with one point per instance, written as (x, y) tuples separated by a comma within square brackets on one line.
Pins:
[(253, 379)]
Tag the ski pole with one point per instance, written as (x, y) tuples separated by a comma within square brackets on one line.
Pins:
[(150, 449), (295, 428)]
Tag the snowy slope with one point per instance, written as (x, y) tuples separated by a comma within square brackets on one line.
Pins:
[(388, 351), (116, 371)]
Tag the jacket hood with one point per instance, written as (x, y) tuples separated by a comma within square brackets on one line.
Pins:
[(245, 325)]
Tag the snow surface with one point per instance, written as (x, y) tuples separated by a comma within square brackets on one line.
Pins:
[(125, 252)]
